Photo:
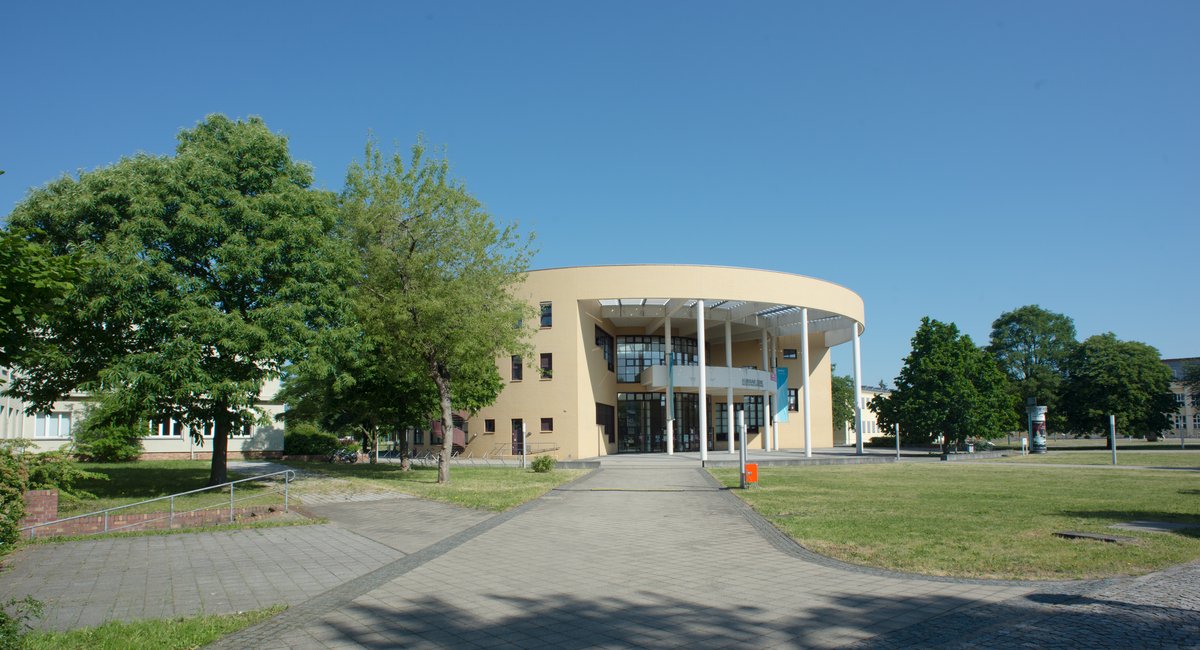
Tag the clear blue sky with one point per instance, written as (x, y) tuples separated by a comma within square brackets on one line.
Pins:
[(951, 159)]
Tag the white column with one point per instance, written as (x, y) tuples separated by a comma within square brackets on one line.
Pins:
[(858, 423), (670, 396), (775, 365), (703, 380), (804, 372), (765, 433), (729, 389)]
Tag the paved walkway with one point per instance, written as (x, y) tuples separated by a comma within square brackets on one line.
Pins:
[(637, 554)]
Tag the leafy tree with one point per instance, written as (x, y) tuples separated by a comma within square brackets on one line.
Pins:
[(438, 279), (842, 387), (1107, 376), (208, 271), (1031, 345), (947, 387), (33, 284)]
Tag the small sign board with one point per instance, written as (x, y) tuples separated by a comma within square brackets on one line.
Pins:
[(751, 473)]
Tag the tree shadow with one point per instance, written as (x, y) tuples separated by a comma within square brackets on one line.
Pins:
[(1122, 516), (655, 620)]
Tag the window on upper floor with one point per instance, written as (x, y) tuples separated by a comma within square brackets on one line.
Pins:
[(789, 353), (547, 315), (605, 341), (547, 425), (547, 365), (518, 367)]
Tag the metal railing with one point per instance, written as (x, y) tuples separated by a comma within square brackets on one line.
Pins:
[(287, 475)]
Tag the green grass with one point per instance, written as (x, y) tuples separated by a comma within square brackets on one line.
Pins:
[(485, 488), (276, 521), (133, 482), (1177, 458), (1078, 444), (988, 521), (179, 633)]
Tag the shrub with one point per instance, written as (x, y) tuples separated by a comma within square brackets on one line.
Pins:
[(305, 439), (543, 464), (108, 444), (881, 441), (14, 620), (21, 470), (109, 433)]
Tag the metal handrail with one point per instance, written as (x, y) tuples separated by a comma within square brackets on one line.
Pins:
[(289, 475)]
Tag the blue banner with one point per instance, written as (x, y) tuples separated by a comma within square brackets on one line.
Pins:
[(781, 395)]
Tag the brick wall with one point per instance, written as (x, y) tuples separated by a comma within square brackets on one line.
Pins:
[(207, 455), (40, 506), (149, 521)]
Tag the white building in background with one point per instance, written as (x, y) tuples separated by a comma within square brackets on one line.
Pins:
[(163, 440), (870, 420), (1185, 420)]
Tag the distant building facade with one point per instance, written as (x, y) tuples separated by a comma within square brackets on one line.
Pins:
[(1185, 420)]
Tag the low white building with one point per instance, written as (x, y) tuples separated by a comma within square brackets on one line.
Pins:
[(163, 440)]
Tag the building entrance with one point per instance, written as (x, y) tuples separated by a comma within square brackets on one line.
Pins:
[(642, 422)]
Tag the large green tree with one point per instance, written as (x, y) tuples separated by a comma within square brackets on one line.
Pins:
[(438, 280), (1031, 345), (947, 387), (33, 285), (842, 388), (207, 273), (1107, 376)]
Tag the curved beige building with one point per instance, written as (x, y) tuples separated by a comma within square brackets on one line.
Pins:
[(599, 380)]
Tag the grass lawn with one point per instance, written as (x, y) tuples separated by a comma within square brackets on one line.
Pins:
[(486, 488), (179, 633), (987, 521), (132, 482), (1077, 444), (1176, 458)]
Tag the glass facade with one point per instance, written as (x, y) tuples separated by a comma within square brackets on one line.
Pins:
[(642, 422), (636, 353)]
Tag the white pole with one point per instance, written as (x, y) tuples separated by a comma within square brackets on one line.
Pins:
[(703, 380), (729, 388), (524, 442), (804, 372), (897, 442), (741, 424), (858, 423), (670, 394), (775, 365), (765, 433), (1112, 436)]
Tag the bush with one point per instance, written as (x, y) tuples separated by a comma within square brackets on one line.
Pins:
[(21, 470), (305, 439), (14, 620), (543, 464), (108, 444), (881, 441), (109, 434)]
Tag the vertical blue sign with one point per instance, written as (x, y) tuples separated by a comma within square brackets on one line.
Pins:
[(781, 395)]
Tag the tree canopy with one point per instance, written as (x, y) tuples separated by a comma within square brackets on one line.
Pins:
[(947, 387), (437, 281), (208, 272), (1107, 376), (1031, 345), (842, 387), (33, 284)]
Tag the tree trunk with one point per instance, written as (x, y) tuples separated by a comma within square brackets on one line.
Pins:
[(443, 386), (220, 448), (405, 461)]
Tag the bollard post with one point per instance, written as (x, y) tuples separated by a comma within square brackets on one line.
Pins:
[(897, 426), (1112, 436), (741, 424), (231, 503)]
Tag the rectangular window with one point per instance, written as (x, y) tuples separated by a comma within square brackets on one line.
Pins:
[(606, 420), (518, 367), (1180, 420), (165, 429), (418, 437), (605, 341), (489, 426), (1195, 421), (789, 353), (244, 432), (547, 315), (1179, 400), (547, 365), (52, 425), (794, 400), (547, 425)]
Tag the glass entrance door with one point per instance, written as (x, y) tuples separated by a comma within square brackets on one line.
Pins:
[(641, 423)]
